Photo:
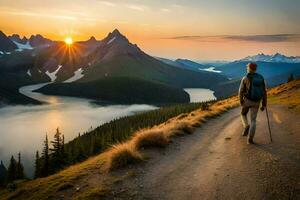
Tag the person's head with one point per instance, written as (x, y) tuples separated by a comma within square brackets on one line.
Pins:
[(251, 67)]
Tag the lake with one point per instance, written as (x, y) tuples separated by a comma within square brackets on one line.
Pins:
[(200, 94), (23, 128)]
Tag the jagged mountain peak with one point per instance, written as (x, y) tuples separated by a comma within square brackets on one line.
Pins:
[(115, 35), (39, 41), (92, 39), (15, 35), (2, 34), (113, 45), (116, 31), (278, 54), (37, 36), (90, 42), (17, 38), (6, 44), (277, 57)]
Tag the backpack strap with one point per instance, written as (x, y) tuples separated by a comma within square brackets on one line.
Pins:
[(249, 92)]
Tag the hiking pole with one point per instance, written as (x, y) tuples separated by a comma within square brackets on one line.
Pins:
[(269, 124)]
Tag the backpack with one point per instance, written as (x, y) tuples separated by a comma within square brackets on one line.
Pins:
[(257, 87)]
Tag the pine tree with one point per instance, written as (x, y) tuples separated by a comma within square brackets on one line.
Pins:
[(79, 153), (57, 157), (3, 174), (64, 156), (92, 145), (45, 159), (37, 165), (19, 168), (11, 172)]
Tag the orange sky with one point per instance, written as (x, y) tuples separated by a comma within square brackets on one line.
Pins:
[(147, 22)]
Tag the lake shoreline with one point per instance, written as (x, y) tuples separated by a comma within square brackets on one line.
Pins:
[(30, 123)]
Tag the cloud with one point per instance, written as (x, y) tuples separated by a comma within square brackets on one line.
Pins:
[(36, 14), (59, 14), (266, 38), (108, 3), (136, 7), (165, 10), (245, 38)]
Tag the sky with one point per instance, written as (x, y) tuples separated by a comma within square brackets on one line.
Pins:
[(194, 29)]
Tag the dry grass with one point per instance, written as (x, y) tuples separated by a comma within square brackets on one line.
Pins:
[(118, 156), (123, 154), (150, 138), (286, 94), (52, 185), (159, 136)]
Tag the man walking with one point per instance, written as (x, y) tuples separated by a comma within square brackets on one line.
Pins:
[(251, 92)]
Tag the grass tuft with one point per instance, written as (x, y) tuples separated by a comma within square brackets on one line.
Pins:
[(150, 138), (123, 154), (179, 128)]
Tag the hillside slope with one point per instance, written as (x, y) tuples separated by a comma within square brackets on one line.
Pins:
[(196, 166), (201, 166)]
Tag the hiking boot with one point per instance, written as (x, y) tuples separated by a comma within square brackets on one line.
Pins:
[(250, 141), (246, 131)]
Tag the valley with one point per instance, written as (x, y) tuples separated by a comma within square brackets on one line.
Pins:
[(72, 115), (96, 85)]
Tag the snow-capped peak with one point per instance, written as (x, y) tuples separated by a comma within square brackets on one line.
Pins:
[(115, 36), (23, 46), (272, 58)]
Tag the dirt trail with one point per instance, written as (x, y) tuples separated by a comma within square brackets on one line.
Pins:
[(216, 163)]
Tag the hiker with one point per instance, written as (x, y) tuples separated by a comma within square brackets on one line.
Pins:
[(252, 92)]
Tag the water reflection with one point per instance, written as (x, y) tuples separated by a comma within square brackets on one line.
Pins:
[(23, 128)]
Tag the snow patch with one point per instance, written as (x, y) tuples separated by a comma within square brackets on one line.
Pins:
[(52, 75), (279, 58), (211, 69), (28, 72), (23, 46), (111, 40), (78, 75)]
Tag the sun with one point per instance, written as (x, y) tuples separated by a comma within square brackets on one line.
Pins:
[(69, 41)]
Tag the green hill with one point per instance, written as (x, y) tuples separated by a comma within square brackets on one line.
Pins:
[(120, 90)]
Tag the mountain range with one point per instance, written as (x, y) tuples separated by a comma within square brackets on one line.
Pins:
[(275, 68), (275, 58), (93, 63), (97, 62), (270, 66)]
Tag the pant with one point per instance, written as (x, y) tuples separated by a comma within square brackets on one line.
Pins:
[(253, 107)]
